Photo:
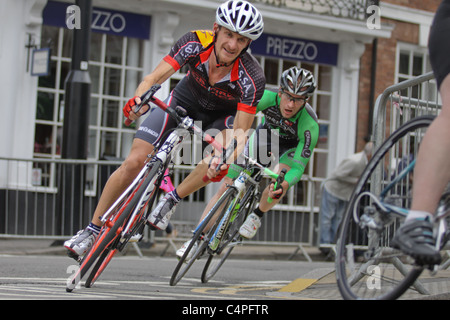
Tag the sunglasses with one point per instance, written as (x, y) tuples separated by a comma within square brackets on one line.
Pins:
[(297, 101)]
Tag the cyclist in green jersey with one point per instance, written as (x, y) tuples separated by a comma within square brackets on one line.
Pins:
[(289, 133)]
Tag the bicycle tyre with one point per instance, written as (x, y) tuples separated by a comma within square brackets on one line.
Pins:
[(354, 279), (100, 266), (107, 254), (210, 269), (110, 232), (182, 267)]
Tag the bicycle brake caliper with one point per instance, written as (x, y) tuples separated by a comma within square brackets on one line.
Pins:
[(367, 219)]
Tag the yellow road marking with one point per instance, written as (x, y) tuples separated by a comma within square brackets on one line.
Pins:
[(298, 285)]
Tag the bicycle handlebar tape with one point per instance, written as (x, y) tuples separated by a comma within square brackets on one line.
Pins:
[(277, 184)]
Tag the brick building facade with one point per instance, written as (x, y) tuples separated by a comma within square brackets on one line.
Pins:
[(386, 52)]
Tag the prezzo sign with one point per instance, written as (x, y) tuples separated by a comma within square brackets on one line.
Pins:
[(296, 49), (103, 20)]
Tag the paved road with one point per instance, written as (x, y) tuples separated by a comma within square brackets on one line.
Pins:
[(33, 270), (44, 277)]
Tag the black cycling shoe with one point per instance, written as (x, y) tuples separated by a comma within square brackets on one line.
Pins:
[(415, 238)]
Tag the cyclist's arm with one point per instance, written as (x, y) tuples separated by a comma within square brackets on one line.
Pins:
[(161, 73), (242, 123), (308, 133)]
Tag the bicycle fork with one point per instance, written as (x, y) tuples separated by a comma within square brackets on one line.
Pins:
[(239, 185)]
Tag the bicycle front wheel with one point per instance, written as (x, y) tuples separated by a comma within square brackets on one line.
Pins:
[(367, 267), (104, 247), (202, 236), (231, 237)]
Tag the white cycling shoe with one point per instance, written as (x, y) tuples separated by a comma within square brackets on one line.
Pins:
[(182, 250), (80, 243)]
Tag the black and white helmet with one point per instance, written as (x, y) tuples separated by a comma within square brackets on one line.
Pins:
[(298, 81), (241, 17)]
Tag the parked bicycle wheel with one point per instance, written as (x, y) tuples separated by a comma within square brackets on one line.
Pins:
[(105, 246), (202, 237), (231, 237), (367, 267)]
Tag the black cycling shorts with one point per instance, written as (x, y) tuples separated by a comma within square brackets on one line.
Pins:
[(439, 44), (158, 121)]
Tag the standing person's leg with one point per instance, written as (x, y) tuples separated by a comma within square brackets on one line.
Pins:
[(327, 209)]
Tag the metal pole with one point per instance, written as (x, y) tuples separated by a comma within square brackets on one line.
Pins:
[(76, 123)]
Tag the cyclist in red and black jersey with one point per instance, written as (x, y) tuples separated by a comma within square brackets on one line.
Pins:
[(222, 88)]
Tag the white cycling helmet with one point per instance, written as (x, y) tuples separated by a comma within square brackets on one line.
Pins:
[(241, 17), (298, 81)]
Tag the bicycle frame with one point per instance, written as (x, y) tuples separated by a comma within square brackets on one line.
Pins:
[(239, 184), (171, 145), (384, 206)]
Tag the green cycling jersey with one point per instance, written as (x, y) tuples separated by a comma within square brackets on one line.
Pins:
[(300, 131)]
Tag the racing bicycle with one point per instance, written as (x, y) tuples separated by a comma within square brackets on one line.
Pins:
[(217, 234), (367, 266), (125, 220)]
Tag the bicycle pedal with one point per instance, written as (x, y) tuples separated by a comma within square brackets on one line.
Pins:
[(74, 256)]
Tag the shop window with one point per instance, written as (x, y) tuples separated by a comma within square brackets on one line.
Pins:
[(115, 73), (413, 61)]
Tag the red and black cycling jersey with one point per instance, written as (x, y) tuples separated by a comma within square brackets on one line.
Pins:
[(240, 90)]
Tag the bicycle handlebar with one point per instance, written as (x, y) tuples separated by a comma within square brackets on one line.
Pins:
[(279, 177), (145, 99), (225, 155)]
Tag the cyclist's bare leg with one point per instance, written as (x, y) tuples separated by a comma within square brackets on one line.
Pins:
[(432, 171), (194, 181), (122, 177)]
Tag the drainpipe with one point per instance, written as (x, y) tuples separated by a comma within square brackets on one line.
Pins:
[(76, 121), (373, 71)]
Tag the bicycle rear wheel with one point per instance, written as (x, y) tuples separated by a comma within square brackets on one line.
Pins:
[(104, 246), (231, 237), (367, 267), (201, 237)]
